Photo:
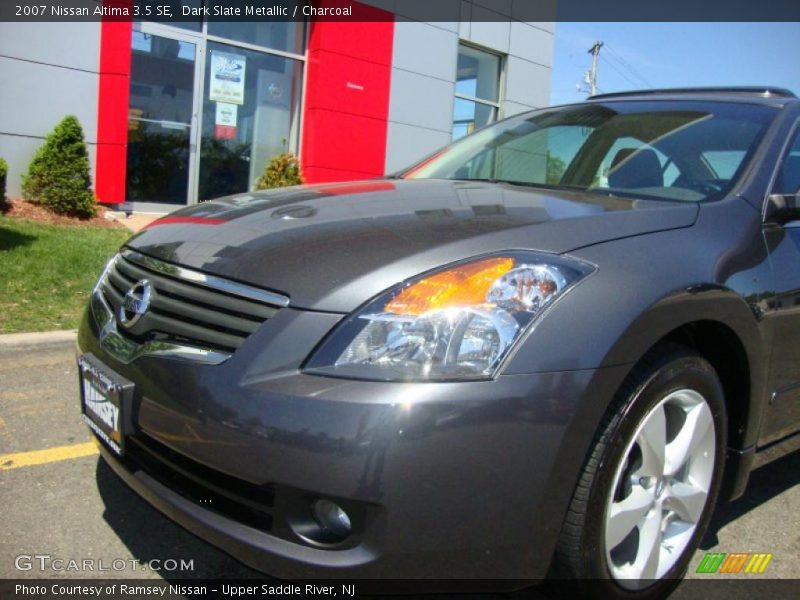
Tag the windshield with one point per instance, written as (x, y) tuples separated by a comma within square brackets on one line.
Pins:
[(686, 151)]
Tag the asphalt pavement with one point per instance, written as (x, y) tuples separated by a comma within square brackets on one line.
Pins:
[(60, 500), (71, 505)]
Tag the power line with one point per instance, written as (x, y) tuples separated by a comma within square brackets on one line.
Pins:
[(630, 68), (619, 71), (625, 64)]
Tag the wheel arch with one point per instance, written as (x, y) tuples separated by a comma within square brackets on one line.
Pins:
[(726, 330), (720, 346), (722, 327), (712, 320)]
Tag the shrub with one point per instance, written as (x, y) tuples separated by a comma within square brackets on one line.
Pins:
[(3, 176), (58, 176), (281, 171)]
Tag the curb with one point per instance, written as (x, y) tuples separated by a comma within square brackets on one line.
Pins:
[(11, 340)]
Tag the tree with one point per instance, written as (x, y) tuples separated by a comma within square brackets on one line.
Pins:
[(281, 171), (555, 169), (58, 176)]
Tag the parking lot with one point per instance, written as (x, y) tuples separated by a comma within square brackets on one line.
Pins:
[(60, 500)]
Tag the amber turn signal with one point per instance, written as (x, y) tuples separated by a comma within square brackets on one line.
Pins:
[(463, 285)]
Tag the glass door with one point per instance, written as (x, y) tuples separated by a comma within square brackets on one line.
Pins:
[(162, 118), (250, 113)]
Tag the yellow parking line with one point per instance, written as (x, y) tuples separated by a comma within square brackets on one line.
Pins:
[(48, 455)]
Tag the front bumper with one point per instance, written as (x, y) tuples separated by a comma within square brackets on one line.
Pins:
[(446, 480)]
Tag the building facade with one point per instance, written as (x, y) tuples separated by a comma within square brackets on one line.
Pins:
[(184, 112)]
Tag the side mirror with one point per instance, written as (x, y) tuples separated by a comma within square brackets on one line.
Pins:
[(782, 208)]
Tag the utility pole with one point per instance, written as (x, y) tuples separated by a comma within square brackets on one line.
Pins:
[(592, 74)]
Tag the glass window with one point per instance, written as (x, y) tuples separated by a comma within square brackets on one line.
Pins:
[(478, 74), (624, 147), (788, 179), (287, 37), (159, 119), (539, 157), (636, 149), (723, 162), (469, 116), (250, 114), (477, 90)]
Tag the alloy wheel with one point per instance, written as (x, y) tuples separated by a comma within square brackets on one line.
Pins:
[(660, 489)]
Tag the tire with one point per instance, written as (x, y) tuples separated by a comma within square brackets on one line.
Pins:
[(631, 529)]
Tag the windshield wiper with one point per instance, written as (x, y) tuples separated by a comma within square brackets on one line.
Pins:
[(546, 186), (481, 179)]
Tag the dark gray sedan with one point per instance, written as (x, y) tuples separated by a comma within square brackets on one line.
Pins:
[(547, 350)]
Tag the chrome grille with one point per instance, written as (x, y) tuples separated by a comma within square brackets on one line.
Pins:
[(188, 306)]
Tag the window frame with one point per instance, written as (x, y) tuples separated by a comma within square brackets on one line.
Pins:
[(501, 86)]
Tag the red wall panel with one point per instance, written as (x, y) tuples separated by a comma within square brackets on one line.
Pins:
[(369, 40), (344, 141), (345, 84), (346, 107), (112, 109)]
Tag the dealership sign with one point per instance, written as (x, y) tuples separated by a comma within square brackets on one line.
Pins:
[(227, 78)]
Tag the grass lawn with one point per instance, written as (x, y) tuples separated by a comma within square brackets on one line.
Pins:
[(47, 272)]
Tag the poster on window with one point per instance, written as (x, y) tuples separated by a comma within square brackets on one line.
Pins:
[(225, 121), (227, 78)]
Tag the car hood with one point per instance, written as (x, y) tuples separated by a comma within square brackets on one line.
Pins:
[(332, 247)]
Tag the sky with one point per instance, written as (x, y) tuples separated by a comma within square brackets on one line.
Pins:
[(642, 55)]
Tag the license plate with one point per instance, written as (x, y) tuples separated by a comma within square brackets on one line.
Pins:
[(105, 402)]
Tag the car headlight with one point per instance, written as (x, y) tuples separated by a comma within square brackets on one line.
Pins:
[(458, 322)]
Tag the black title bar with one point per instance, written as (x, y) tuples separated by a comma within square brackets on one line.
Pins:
[(167, 11)]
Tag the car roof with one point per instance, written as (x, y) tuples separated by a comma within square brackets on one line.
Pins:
[(772, 96)]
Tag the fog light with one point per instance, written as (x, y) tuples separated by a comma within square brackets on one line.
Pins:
[(332, 518)]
